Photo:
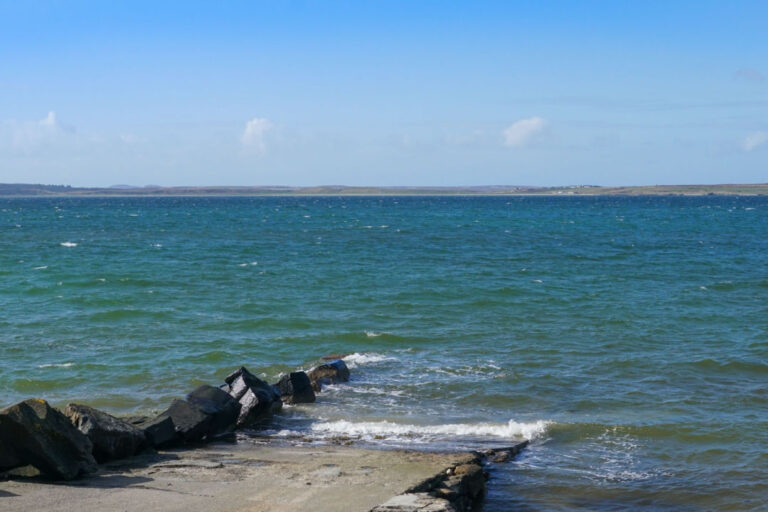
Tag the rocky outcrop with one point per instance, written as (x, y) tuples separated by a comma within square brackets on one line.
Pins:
[(160, 431), (458, 488), (501, 455), (295, 388), (206, 413), (257, 399), (112, 438), (328, 373), (34, 433)]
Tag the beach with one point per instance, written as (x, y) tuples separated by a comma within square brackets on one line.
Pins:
[(238, 477)]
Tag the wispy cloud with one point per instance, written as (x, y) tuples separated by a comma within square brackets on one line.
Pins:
[(754, 140), (27, 135), (524, 132), (254, 134)]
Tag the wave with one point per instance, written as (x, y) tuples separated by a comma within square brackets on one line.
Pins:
[(390, 430), (68, 244), (359, 359), (56, 365)]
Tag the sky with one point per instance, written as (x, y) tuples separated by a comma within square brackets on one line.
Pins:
[(385, 93)]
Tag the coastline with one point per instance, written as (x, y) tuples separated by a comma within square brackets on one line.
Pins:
[(36, 190), (273, 476)]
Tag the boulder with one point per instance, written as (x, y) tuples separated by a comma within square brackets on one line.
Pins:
[(160, 431), (257, 398), (190, 423), (328, 373), (206, 413), (219, 404), (34, 433), (112, 438), (295, 388)]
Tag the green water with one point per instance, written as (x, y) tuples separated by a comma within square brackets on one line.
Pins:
[(627, 337)]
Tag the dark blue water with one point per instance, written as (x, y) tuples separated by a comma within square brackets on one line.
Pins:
[(627, 337)]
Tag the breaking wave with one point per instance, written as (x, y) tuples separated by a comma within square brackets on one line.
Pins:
[(358, 359), (391, 430)]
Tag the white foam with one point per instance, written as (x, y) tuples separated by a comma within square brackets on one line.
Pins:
[(41, 268), (358, 359), (388, 429), (68, 244), (372, 334), (56, 365)]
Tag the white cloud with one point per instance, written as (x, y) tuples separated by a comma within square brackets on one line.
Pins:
[(754, 140), (523, 132), (254, 134), (27, 135)]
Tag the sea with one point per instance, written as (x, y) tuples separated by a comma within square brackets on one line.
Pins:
[(625, 337)]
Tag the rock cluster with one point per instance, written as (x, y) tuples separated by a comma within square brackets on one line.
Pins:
[(66, 445)]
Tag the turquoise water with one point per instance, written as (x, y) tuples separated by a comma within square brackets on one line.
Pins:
[(627, 337)]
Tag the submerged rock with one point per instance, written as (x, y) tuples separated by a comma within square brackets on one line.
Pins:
[(328, 373), (112, 438), (257, 398), (296, 388), (34, 433)]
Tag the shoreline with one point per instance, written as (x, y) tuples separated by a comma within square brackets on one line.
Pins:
[(274, 476), (725, 189)]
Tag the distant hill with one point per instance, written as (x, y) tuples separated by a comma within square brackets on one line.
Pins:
[(20, 189), (15, 189)]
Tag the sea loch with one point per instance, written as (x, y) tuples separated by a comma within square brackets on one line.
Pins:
[(626, 337)]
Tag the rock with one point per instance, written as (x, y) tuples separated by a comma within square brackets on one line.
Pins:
[(328, 373), (34, 433), (501, 455), (159, 431), (206, 413), (220, 405), (135, 420), (190, 423), (257, 398), (296, 388), (473, 480), (416, 502), (112, 438)]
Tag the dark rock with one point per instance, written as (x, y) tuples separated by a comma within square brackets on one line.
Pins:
[(206, 413), (220, 405), (257, 398), (135, 420), (472, 479), (501, 455), (160, 431), (112, 438), (296, 388), (329, 373), (189, 422), (34, 433)]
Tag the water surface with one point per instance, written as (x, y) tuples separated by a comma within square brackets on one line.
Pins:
[(627, 337)]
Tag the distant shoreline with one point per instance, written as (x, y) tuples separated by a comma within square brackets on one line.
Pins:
[(33, 190)]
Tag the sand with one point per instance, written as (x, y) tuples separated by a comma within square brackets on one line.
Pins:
[(237, 477)]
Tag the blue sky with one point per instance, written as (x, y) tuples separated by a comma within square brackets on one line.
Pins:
[(383, 93)]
